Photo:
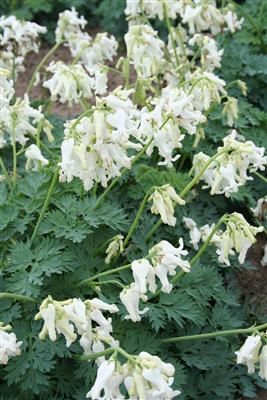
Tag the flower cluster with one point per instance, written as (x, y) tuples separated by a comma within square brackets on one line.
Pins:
[(145, 377), (229, 170), (96, 148), (249, 354), (68, 82), (18, 39), (239, 234), (165, 258), (144, 49), (62, 316), (9, 346), (163, 205)]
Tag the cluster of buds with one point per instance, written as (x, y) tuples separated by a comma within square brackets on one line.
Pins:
[(163, 204), (165, 258), (222, 174), (144, 376), (9, 346), (249, 354), (62, 316)]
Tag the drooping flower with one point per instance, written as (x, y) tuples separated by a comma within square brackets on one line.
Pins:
[(163, 205), (130, 297), (9, 346), (248, 353), (33, 154), (165, 259), (263, 363)]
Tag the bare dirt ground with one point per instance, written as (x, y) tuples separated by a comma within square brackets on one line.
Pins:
[(253, 282)]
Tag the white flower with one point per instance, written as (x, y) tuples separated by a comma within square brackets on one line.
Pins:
[(210, 56), (69, 24), (22, 117), (150, 379), (163, 205), (130, 298), (165, 259), (248, 353), (33, 154), (6, 87), (23, 33), (68, 82), (145, 49), (104, 374), (143, 273), (55, 318), (195, 234), (232, 22), (9, 346), (263, 363)]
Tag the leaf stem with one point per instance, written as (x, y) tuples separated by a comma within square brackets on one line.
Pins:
[(60, 42), (215, 334), (46, 203), (6, 174), (17, 297)]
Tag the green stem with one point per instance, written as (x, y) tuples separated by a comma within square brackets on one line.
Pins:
[(14, 152), (109, 272), (171, 34), (182, 161), (17, 297), (46, 203), (42, 145), (188, 68), (5, 173), (104, 353), (42, 63), (187, 188), (108, 282), (82, 191), (138, 216), (253, 22), (215, 334), (260, 176)]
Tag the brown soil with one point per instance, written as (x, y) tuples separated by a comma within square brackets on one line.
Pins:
[(253, 282)]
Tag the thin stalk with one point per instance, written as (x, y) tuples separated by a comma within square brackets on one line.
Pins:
[(93, 278), (41, 144), (46, 203), (42, 63), (188, 68), (6, 174), (260, 176), (14, 152), (215, 334), (17, 297), (104, 353), (108, 282), (138, 215), (171, 34)]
